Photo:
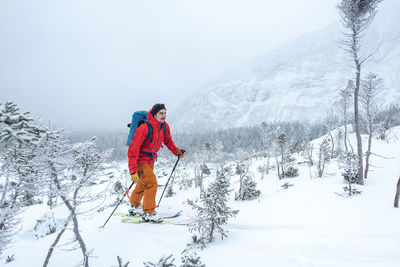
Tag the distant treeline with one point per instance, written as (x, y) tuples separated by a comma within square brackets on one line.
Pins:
[(253, 139)]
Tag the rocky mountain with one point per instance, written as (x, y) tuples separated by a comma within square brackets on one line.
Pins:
[(299, 80)]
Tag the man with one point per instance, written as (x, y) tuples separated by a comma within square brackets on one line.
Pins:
[(141, 157)]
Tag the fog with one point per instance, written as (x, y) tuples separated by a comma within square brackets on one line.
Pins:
[(89, 64)]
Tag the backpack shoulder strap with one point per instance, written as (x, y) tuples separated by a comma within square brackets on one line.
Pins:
[(150, 132)]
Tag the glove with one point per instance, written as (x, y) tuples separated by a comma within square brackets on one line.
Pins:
[(135, 177), (181, 153)]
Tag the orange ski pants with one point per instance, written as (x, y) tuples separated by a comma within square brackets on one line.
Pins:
[(146, 188)]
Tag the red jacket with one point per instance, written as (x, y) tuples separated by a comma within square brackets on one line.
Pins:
[(153, 145)]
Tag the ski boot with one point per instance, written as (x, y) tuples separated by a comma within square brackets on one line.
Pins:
[(135, 210), (152, 217)]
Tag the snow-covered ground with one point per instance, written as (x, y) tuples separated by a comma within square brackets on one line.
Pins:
[(307, 224)]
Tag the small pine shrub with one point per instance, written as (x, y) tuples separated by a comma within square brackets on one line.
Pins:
[(163, 262), (349, 162), (291, 172)]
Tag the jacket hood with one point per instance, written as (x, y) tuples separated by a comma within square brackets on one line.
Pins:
[(152, 120)]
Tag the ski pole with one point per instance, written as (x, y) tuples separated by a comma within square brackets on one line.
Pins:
[(168, 182), (126, 193)]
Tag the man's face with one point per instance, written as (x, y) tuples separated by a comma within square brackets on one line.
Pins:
[(161, 116)]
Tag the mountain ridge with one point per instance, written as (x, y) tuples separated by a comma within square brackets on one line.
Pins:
[(298, 80)]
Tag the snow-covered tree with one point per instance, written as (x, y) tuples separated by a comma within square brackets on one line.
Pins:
[(308, 153), (9, 225), (201, 159), (165, 261), (19, 137), (247, 186), (323, 156), (356, 16), (190, 258), (213, 212), (284, 159), (248, 189), (17, 128), (344, 102), (370, 87), (170, 190), (74, 169), (266, 144), (386, 119), (348, 162)]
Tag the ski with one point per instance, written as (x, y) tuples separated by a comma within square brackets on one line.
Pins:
[(164, 215), (132, 220)]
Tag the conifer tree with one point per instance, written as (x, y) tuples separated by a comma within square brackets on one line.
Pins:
[(212, 213), (356, 16), (165, 261), (323, 156), (190, 258), (19, 138), (284, 160)]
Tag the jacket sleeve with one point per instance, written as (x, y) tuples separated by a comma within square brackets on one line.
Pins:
[(168, 140), (134, 147)]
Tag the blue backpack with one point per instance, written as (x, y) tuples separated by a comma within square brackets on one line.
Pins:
[(138, 118)]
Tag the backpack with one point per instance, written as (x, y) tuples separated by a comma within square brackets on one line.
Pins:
[(138, 118)]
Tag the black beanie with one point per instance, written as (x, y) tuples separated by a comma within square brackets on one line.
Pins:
[(156, 108)]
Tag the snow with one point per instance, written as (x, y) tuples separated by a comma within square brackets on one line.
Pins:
[(307, 224)]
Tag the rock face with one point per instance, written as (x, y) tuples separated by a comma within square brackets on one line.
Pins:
[(299, 80)]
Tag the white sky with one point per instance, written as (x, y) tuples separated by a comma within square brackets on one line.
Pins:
[(90, 63)]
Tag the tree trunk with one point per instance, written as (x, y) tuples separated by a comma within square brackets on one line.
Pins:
[(333, 143), (3, 197), (50, 252), (282, 162), (396, 198), (357, 122), (368, 153), (74, 219), (345, 128), (80, 239)]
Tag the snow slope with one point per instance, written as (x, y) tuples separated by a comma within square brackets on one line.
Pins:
[(307, 224), (299, 80)]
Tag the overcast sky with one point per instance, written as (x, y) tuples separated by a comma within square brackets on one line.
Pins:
[(90, 63)]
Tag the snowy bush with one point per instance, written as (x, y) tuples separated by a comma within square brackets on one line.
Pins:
[(186, 183), (118, 188), (45, 226), (349, 164), (170, 191), (190, 258), (323, 156), (248, 189), (291, 171), (8, 226), (284, 160), (10, 259), (120, 263), (163, 262), (351, 190), (286, 185)]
